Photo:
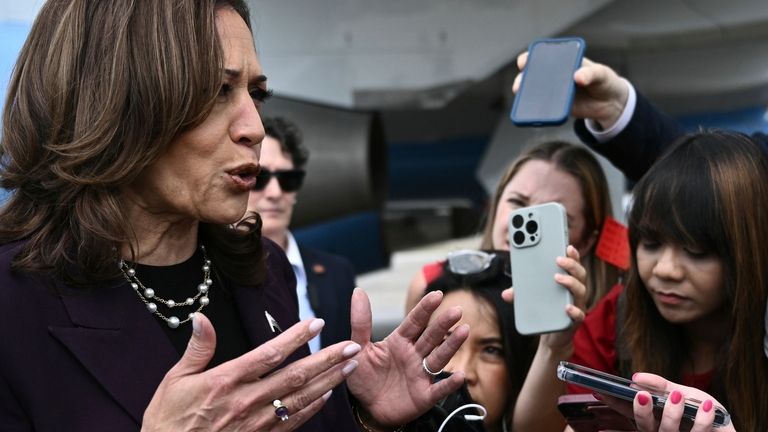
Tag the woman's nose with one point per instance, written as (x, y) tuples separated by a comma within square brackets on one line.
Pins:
[(246, 127), (462, 361), (668, 265)]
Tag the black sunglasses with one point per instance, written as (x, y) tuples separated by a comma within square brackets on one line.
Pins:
[(289, 180)]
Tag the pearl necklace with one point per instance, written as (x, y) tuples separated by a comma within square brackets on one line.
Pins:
[(148, 296)]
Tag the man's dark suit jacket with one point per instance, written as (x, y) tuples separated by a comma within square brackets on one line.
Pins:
[(91, 361), (648, 134), (330, 282)]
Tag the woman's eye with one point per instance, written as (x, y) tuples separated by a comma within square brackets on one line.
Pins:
[(260, 95), (495, 351), (696, 252), (649, 245), (225, 90), (516, 202)]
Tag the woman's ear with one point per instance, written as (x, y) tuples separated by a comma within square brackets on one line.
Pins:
[(588, 243)]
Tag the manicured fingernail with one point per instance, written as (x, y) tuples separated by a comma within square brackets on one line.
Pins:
[(327, 395), (634, 375), (597, 396), (643, 399), (349, 367), (675, 397), (707, 405), (316, 325), (351, 350), (196, 326)]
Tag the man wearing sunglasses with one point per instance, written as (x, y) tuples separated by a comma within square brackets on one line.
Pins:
[(324, 282)]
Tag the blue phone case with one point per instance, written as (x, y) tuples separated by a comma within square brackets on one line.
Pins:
[(545, 100)]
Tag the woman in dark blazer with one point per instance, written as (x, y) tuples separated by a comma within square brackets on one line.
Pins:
[(130, 142)]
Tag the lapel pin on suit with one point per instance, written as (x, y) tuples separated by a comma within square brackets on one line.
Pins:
[(318, 269), (273, 325)]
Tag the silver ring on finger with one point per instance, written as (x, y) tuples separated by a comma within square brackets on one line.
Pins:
[(426, 369), (281, 411)]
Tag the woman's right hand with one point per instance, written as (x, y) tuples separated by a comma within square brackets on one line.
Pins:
[(601, 94), (237, 395), (574, 281)]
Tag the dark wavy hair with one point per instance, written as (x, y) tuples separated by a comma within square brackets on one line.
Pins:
[(709, 192), (99, 91), (486, 287), (291, 140)]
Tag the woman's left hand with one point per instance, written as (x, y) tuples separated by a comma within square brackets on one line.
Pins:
[(390, 383), (671, 419)]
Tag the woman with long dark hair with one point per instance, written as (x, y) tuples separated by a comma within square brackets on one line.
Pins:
[(693, 307)]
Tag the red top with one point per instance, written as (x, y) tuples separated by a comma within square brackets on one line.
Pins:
[(432, 271), (594, 344)]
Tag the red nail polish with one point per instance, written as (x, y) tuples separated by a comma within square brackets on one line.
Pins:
[(707, 405), (675, 397), (597, 396), (643, 399)]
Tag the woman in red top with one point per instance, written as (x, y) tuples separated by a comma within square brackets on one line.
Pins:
[(693, 307), (549, 171)]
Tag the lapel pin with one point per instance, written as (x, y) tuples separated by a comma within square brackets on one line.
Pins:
[(273, 325), (318, 269)]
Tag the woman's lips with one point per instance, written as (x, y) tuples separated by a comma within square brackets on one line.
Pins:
[(244, 182), (270, 212), (669, 298), (244, 176)]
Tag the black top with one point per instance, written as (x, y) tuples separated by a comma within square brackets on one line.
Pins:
[(179, 282)]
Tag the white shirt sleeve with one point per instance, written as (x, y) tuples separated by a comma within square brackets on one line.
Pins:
[(603, 135)]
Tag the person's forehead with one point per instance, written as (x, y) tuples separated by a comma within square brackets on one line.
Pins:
[(542, 181), (476, 312), (272, 154), (236, 40)]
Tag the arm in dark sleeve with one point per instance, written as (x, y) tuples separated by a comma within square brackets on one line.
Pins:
[(645, 138)]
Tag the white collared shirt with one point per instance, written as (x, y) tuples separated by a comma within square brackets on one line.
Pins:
[(607, 134), (305, 308)]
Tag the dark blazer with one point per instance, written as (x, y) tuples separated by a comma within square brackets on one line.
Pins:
[(330, 282), (634, 150), (90, 361), (645, 138)]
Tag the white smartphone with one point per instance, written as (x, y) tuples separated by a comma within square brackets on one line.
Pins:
[(625, 389), (537, 235)]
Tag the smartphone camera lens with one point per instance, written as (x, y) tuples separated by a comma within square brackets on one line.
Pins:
[(519, 238), (517, 221), (531, 227)]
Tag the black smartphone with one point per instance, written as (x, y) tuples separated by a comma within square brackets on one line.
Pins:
[(625, 389), (546, 90), (584, 413)]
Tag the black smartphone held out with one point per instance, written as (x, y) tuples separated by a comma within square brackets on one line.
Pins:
[(625, 389), (546, 91)]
